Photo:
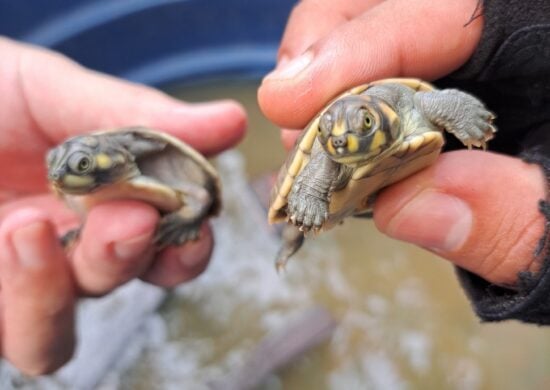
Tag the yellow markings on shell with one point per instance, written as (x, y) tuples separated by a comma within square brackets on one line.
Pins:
[(103, 161), (353, 143), (77, 181), (293, 167), (413, 83), (309, 136), (357, 90), (378, 140)]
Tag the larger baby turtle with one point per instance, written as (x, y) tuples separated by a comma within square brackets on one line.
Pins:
[(138, 163), (367, 138)]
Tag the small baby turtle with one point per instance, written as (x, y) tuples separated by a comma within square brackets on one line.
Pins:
[(367, 138), (137, 163)]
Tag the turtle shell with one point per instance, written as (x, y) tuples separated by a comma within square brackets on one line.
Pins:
[(414, 152)]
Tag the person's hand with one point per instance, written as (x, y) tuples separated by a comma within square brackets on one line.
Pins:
[(477, 209), (45, 99)]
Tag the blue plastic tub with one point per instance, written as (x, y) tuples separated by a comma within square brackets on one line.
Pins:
[(155, 42)]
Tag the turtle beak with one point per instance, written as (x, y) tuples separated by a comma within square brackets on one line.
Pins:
[(56, 176)]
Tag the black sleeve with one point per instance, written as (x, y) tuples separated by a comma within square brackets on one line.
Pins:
[(510, 72)]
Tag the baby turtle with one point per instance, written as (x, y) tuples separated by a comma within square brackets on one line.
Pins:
[(137, 163), (367, 138)]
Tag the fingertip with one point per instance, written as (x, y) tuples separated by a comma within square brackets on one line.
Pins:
[(397, 46), (210, 127), (477, 209), (37, 294), (28, 240), (176, 265), (20, 218), (119, 220), (115, 246)]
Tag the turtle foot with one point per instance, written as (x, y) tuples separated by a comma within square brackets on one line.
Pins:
[(459, 113), (176, 230), (307, 211)]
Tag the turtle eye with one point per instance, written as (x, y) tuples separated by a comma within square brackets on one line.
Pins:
[(84, 164), (80, 163), (367, 122)]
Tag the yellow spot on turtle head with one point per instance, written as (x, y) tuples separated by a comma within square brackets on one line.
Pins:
[(330, 148), (74, 181), (103, 161), (338, 129), (378, 140), (353, 144)]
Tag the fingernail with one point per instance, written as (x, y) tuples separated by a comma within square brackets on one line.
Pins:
[(282, 61), (132, 248), (433, 220), (27, 242), (290, 69)]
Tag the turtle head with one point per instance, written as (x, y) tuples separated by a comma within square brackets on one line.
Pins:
[(356, 128), (84, 163)]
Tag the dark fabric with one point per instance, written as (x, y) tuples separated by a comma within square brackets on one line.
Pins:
[(510, 72)]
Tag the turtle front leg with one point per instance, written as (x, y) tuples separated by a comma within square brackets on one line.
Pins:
[(459, 113), (184, 225), (309, 198)]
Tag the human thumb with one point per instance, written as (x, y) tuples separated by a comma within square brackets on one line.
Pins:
[(477, 209)]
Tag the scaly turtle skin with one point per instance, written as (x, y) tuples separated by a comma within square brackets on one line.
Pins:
[(142, 164), (367, 138)]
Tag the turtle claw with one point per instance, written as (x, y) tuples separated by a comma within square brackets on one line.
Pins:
[(173, 229), (459, 113), (306, 211)]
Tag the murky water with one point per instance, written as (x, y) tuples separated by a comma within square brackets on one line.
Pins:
[(404, 321)]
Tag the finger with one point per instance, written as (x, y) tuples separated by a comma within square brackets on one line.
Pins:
[(311, 20), (477, 209), (396, 38), (37, 294), (176, 265), (37, 80), (54, 208), (115, 246), (289, 137)]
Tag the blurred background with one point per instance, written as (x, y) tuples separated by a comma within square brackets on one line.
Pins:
[(402, 320)]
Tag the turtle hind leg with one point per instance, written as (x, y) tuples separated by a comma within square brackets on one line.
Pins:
[(292, 238), (459, 113), (68, 240), (175, 229), (184, 225)]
